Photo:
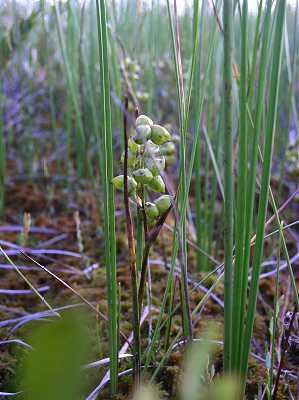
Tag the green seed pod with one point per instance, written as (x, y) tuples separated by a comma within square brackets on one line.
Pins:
[(151, 210), (143, 175), (127, 61), (143, 133), (143, 120), (137, 68), (151, 149), (151, 222), (159, 135), (167, 149), (157, 184), (133, 147), (132, 185), (118, 183), (134, 76), (155, 165), (132, 159), (163, 203)]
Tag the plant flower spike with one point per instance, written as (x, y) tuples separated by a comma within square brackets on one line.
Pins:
[(149, 148)]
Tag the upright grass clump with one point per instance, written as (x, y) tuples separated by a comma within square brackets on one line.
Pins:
[(183, 201), (185, 93), (237, 312), (71, 72), (255, 131), (109, 207), (266, 170), (236, 270)]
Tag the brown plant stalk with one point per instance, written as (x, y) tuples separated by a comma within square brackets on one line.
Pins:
[(132, 256)]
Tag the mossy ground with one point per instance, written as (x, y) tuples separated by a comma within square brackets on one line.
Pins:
[(52, 205)]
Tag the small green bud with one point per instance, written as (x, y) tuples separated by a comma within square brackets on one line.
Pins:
[(118, 183), (133, 147), (151, 210), (155, 165), (151, 222), (132, 185), (143, 133), (143, 120), (128, 61), (137, 68), (150, 149), (157, 184), (143, 175), (159, 135), (132, 159), (134, 76), (167, 149), (163, 203)]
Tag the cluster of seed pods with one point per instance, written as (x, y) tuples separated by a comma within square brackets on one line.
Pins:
[(148, 149), (134, 75)]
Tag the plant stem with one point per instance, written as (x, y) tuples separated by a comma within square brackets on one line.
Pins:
[(150, 239), (132, 256)]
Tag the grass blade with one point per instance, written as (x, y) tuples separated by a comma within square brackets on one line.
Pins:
[(109, 207), (228, 181)]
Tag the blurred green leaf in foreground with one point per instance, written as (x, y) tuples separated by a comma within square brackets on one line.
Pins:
[(52, 370)]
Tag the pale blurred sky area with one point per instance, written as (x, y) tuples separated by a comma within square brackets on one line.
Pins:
[(181, 4)]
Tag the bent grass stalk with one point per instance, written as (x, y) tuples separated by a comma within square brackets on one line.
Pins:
[(34, 290)]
